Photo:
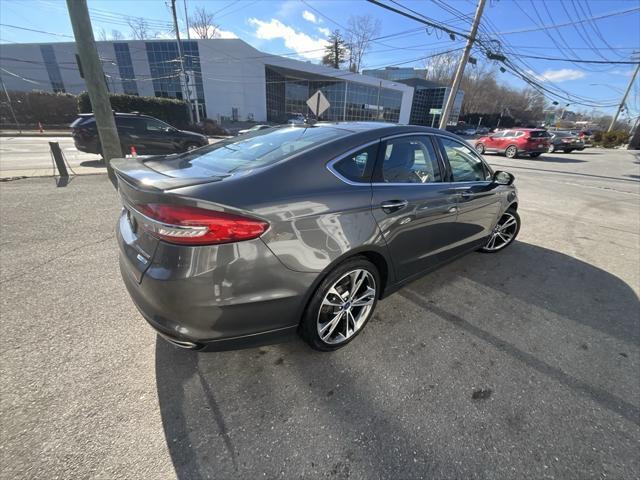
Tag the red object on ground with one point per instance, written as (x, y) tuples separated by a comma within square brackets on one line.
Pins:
[(133, 151)]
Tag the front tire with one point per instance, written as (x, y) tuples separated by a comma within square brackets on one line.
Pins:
[(480, 148), (341, 305), (511, 151), (552, 148), (504, 233)]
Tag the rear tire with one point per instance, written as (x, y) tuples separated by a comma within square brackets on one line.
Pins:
[(567, 150), (190, 146), (535, 154), (480, 148), (511, 151), (337, 312), (552, 148)]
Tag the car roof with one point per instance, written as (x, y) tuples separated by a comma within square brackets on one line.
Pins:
[(377, 128)]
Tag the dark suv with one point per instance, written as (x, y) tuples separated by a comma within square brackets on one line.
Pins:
[(148, 135)]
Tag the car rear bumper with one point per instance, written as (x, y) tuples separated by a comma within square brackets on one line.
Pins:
[(217, 297)]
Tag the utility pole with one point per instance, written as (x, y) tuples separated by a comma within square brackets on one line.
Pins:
[(624, 99), (95, 82), (186, 19), (183, 75), (460, 70)]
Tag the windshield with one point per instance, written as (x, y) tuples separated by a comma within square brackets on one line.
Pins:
[(262, 148)]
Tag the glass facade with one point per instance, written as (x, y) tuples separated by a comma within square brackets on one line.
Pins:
[(287, 96), (428, 95), (53, 71), (164, 64), (125, 67), (395, 73)]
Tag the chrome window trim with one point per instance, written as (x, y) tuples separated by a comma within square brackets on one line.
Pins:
[(342, 156)]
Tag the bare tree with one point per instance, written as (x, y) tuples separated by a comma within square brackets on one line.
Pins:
[(140, 29), (201, 23), (116, 35), (102, 35), (362, 29), (441, 68)]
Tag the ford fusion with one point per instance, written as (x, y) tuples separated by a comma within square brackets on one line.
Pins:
[(300, 229)]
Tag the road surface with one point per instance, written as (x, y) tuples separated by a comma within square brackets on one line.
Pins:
[(522, 364)]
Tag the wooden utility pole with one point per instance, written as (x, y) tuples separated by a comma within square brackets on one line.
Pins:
[(444, 119), (95, 82), (624, 99), (183, 74)]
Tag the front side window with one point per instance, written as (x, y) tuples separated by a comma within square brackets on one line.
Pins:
[(410, 160), (153, 125), (357, 167), (466, 166)]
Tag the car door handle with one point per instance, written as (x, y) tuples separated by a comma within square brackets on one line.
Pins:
[(467, 194), (393, 205)]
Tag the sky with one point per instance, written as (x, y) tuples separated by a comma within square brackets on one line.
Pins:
[(299, 28)]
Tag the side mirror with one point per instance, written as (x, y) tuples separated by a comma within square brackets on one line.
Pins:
[(503, 178)]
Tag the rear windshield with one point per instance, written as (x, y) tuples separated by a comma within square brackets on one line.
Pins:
[(262, 148), (538, 134)]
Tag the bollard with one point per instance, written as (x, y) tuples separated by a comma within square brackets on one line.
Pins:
[(59, 159)]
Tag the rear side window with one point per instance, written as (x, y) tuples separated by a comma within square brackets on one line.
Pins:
[(410, 160), (466, 166), (84, 122), (357, 167), (245, 153), (129, 124)]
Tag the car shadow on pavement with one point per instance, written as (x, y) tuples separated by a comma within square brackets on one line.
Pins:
[(93, 163), (546, 158), (288, 411)]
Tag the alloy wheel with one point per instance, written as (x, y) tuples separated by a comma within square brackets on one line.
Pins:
[(346, 306), (479, 148), (511, 152), (503, 233), (552, 148)]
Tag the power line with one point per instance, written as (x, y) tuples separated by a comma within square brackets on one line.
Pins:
[(36, 31)]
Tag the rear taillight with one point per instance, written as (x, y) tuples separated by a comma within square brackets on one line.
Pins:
[(197, 226)]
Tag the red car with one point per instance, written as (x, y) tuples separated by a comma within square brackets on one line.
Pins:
[(514, 142)]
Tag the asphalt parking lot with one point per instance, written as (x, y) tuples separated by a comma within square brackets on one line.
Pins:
[(523, 364)]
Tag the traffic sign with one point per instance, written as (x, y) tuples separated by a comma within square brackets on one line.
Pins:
[(318, 103), (435, 111)]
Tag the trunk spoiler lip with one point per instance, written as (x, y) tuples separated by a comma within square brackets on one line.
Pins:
[(135, 173)]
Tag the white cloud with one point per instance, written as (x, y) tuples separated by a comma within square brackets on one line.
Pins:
[(301, 43), (561, 75), (310, 17), (624, 73), (325, 31)]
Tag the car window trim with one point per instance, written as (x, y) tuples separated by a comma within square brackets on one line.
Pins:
[(342, 156), (380, 159)]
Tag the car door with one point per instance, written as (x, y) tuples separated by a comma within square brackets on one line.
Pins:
[(158, 137), (493, 141), (477, 197), (414, 208)]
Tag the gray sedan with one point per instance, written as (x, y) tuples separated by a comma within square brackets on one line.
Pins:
[(300, 229)]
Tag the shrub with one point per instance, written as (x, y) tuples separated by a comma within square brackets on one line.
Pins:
[(611, 139), (597, 136), (170, 110), (50, 109)]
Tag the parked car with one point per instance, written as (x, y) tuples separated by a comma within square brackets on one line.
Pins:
[(565, 141), (148, 135), (300, 229), (469, 131), (297, 119), (255, 128), (482, 130), (514, 142)]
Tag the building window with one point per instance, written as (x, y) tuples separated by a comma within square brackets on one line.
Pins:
[(125, 67), (287, 96), (164, 64), (53, 70)]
